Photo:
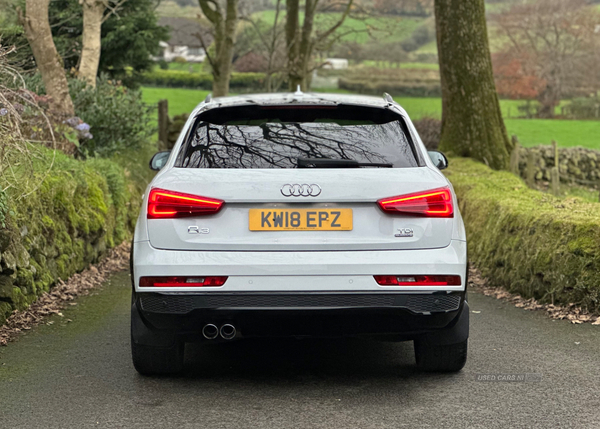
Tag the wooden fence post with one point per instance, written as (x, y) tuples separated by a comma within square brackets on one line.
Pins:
[(555, 178), (555, 172), (163, 124), (514, 156), (530, 169)]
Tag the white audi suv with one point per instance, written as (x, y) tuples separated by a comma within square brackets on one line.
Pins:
[(299, 215)]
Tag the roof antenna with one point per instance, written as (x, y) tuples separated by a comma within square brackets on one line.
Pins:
[(298, 91), (208, 98)]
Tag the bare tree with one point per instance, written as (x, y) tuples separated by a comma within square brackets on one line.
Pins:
[(472, 122), (302, 40), (271, 48), (49, 62), (554, 41), (224, 22)]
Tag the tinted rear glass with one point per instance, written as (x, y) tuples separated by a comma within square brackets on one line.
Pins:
[(277, 138)]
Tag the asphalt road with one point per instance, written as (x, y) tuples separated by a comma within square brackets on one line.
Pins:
[(79, 374)]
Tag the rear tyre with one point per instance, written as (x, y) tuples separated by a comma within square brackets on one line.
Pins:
[(441, 358), (149, 360)]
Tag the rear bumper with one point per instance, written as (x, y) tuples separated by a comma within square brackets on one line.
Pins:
[(335, 271), (403, 316), (326, 294)]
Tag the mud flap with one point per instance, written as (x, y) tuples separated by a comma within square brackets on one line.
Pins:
[(143, 335), (457, 333)]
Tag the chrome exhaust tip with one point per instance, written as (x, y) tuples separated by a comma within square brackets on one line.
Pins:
[(210, 331), (228, 331)]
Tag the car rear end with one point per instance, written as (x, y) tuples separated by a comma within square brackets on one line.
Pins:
[(303, 217)]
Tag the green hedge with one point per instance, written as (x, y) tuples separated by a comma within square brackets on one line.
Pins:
[(527, 241), (183, 79), (80, 209), (397, 88)]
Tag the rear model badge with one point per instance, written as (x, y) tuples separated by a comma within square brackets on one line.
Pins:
[(198, 230), (404, 232)]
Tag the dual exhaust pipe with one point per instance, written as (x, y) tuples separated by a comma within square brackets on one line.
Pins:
[(211, 331)]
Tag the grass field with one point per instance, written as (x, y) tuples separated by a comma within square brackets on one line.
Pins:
[(181, 100), (566, 132), (429, 48), (529, 131), (385, 28), (189, 67)]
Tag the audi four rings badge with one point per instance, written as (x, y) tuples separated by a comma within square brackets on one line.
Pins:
[(304, 190)]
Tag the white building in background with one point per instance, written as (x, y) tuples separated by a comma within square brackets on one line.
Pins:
[(336, 63), (192, 54), (184, 41)]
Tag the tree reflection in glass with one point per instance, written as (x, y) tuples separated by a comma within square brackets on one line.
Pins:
[(279, 144)]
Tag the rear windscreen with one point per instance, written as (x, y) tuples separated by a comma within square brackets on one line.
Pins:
[(279, 138)]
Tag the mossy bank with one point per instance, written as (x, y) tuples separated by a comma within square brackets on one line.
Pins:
[(59, 221), (527, 241)]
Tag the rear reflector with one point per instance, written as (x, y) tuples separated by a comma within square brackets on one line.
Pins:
[(163, 204), (433, 203), (179, 281), (410, 280)]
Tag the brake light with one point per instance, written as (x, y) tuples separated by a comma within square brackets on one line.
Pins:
[(181, 281), (417, 280), (163, 204), (433, 203)]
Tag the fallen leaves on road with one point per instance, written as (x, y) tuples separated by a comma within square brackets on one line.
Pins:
[(63, 292), (570, 312)]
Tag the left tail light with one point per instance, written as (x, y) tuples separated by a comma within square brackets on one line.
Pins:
[(183, 281), (433, 203), (163, 204)]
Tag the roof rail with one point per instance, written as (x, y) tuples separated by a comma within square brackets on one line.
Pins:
[(208, 98), (387, 97)]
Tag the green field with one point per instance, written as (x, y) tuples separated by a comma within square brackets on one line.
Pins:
[(566, 132), (181, 100), (529, 131), (429, 48), (384, 29)]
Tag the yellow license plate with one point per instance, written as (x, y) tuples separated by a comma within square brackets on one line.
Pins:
[(300, 219)]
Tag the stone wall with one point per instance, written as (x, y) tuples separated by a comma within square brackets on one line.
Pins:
[(576, 164), (529, 242), (78, 211)]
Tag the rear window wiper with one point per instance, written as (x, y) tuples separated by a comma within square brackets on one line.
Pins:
[(337, 163)]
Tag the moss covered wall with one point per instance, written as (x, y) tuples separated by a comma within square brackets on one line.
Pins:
[(576, 164), (59, 224), (527, 241)]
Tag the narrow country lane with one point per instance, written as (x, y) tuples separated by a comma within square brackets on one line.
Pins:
[(79, 374)]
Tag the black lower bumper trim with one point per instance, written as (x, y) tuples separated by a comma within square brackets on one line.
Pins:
[(415, 303)]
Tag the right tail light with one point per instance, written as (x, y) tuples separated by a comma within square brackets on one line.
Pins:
[(433, 203)]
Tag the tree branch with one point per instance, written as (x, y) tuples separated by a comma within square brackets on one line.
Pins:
[(213, 15), (112, 9), (210, 59), (327, 33)]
